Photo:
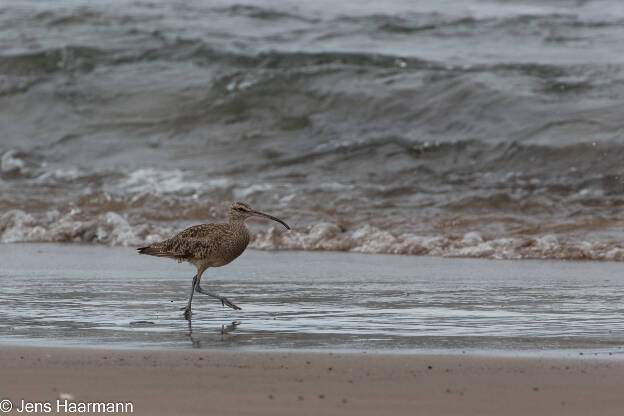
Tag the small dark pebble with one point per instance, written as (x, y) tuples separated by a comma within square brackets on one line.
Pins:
[(429, 367), (271, 396), (448, 390), (200, 358), (344, 401), (307, 362), (321, 396), (299, 397), (329, 369), (535, 388), (21, 357)]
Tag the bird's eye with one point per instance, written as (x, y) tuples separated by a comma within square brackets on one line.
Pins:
[(239, 209)]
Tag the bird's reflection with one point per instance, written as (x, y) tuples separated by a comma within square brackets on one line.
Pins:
[(230, 328), (194, 341), (225, 330)]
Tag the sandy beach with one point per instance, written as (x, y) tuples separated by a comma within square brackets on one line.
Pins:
[(213, 382), (319, 334)]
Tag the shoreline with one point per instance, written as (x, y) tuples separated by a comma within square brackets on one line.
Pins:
[(562, 355), (475, 250), (109, 296), (276, 383)]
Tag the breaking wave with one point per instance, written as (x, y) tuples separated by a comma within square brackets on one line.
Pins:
[(487, 131), (113, 229)]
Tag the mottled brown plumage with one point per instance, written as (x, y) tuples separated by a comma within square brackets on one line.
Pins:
[(209, 245), (205, 245)]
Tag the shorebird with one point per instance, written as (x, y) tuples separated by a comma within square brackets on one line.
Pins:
[(209, 245)]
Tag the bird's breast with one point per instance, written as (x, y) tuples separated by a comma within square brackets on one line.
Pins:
[(230, 248)]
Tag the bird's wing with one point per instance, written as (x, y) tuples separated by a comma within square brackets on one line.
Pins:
[(202, 231), (199, 241)]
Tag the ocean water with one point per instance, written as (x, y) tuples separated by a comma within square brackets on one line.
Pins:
[(86, 295), (469, 128)]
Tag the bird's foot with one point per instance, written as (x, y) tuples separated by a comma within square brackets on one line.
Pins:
[(187, 314), (226, 302)]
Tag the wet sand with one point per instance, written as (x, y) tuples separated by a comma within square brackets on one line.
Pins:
[(165, 382), (89, 295), (319, 333)]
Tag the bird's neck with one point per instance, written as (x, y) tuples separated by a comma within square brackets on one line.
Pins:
[(239, 227), (237, 222)]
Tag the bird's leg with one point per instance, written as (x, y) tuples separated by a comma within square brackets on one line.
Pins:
[(187, 310), (224, 301)]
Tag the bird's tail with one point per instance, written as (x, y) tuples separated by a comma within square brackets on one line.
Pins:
[(151, 251)]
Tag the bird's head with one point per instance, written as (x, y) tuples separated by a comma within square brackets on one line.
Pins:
[(240, 211)]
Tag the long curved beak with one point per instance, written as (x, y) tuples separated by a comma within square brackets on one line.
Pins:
[(271, 217)]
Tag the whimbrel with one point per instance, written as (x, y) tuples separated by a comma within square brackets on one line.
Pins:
[(209, 245)]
